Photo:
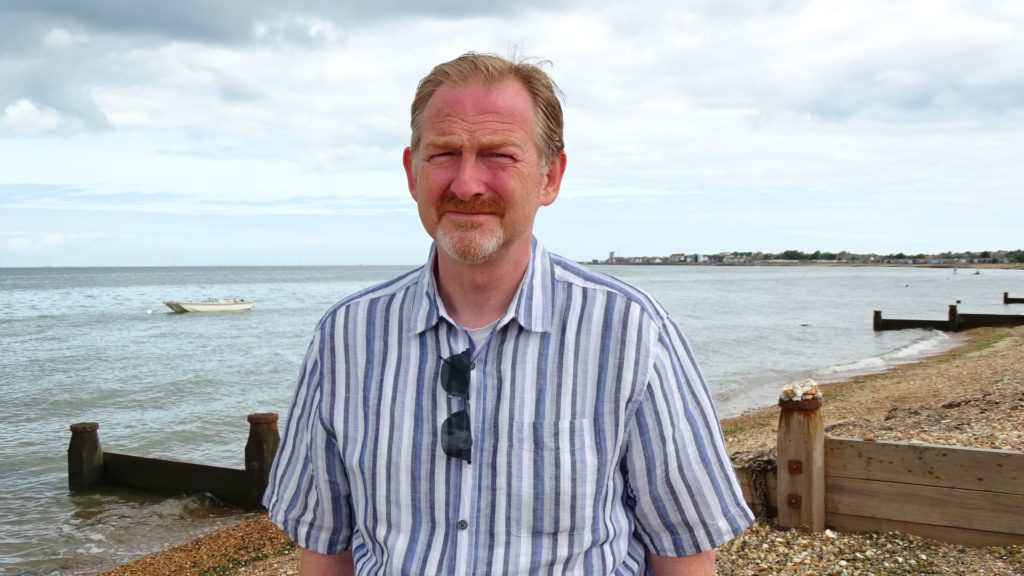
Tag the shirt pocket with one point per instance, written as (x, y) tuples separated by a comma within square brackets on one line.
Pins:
[(554, 465)]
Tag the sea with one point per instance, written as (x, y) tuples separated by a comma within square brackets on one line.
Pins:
[(98, 345)]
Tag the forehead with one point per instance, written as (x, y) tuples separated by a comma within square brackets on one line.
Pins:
[(477, 110)]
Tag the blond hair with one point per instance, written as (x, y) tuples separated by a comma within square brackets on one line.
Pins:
[(492, 70)]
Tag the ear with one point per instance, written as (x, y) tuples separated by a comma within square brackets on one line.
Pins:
[(410, 175), (553, 180)]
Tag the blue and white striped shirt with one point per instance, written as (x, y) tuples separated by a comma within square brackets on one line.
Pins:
[(595, 440)]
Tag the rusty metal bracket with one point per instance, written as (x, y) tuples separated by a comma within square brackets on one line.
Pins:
[(794, 501), (796, 467)]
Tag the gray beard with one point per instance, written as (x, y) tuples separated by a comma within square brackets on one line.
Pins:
[(466, 245)]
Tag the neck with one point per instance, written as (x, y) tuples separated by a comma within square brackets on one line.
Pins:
[(476, 295)]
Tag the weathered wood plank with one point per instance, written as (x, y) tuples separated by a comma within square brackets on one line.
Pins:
[(800, 471), (949, 324), (955, 322), (971, 509), (234, 486), (951, 534), (927, 464), (966, 321), (746, 485)]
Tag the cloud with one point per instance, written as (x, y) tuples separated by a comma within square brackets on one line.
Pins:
[(24, 117), (227, 22), (61, 38), (891, 62), (768, 113), (40, 242), (106, 62)]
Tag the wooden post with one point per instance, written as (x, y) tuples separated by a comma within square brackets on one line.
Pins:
[(85, 456), (801, 465), (260, 451), (877, 320), (954, 324)]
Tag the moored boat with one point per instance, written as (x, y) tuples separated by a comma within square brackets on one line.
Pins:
[(211, 305)]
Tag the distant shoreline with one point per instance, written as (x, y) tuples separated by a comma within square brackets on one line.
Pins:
[(986, 266)]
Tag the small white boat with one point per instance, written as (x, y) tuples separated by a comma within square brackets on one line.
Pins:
[(211, 305)]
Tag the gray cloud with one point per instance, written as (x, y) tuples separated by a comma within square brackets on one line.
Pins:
[(786, 108), (229, 21), (57, 53), (186, 20)]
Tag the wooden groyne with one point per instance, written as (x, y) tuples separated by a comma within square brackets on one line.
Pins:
[(955, 321), (966, 496), (1008, 300), (89, 466)]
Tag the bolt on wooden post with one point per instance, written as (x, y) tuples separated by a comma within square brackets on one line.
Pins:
[(801, 465)]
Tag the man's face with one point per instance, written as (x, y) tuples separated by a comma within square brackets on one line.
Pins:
[(477, 175)]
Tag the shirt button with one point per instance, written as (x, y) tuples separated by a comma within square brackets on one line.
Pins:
[(462, 525)]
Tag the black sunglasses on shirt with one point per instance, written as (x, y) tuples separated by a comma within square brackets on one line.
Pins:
[(456, 436)]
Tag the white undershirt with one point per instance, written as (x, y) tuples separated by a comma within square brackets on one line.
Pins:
[(480, 335)]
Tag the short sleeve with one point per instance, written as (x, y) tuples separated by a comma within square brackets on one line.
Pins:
[(684, 494), (308, 495)]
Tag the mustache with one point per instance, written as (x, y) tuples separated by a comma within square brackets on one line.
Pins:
[(451, 203)]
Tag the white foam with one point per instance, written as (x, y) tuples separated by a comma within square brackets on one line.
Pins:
[(934, 343), (91, 549)]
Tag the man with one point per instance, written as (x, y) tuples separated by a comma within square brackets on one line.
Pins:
[(500, 410)]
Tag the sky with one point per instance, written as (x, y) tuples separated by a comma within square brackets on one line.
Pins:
[(219, 132)]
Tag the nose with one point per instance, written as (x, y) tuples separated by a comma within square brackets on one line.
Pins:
[(469, 178)]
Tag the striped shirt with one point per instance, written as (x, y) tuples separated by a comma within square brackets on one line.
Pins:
[(595, 440)]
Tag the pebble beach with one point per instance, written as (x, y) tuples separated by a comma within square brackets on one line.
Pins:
[(972, 396)]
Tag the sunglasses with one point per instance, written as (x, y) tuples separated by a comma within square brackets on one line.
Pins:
[(456, 436)]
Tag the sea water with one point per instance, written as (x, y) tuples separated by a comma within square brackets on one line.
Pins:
[(97, 344)]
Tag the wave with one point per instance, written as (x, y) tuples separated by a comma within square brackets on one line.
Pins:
[(932, 343)]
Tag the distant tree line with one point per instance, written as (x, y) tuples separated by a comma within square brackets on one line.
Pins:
[(798, 255), (1015, 255), (945, 258)]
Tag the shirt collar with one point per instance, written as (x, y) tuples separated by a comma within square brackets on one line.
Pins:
[(532, 306)]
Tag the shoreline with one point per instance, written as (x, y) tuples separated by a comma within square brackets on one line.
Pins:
[(755, 263), (921, 401), (977, 366), (884, 363)]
